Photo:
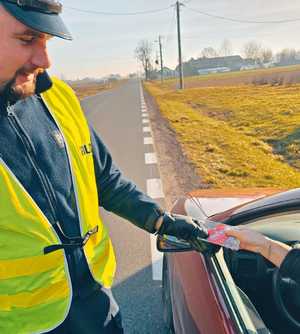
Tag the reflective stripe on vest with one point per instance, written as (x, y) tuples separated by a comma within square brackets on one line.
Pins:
[(35, 289)]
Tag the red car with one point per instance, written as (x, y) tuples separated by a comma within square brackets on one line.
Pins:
[(233, 291)]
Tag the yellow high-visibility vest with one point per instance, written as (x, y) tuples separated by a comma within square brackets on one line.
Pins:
[(35, 289)]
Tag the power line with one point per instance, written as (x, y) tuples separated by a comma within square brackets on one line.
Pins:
[(153, 11), (240, 21)]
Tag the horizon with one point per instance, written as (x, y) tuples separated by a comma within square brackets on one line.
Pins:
[(89, 57)]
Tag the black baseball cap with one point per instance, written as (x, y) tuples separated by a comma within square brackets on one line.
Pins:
[(40, 15)]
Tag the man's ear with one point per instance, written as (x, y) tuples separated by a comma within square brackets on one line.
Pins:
[(43, 83)]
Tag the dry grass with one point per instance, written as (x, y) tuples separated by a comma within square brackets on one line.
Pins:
[(84, 90), (237, 136), (275, 75)]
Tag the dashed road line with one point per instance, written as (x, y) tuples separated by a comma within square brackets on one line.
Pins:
[(155, 189), (153, 185), (150, 158), (148, 141)]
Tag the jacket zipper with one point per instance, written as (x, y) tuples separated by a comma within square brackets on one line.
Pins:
[(31, 154)]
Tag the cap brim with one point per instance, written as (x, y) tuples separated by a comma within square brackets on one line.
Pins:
[(51, 24)]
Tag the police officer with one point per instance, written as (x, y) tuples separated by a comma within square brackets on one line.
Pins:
[(56, 258)]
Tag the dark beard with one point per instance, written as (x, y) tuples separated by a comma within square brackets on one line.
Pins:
[(10, 94)]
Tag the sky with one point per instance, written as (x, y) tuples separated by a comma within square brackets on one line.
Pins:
[(105, 44)]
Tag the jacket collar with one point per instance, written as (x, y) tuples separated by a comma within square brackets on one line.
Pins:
[(43, 83)]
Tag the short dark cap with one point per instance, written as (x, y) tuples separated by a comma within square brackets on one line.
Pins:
[(40, 15)]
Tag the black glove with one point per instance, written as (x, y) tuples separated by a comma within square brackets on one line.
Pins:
[(188, 229)]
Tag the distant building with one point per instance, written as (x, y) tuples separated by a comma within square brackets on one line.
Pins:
[(213, 70), (209, 65), (249, 64), (268, 65), (234, 63), (250, 67)]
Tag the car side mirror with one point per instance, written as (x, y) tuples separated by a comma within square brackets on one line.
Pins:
[(167, 243)]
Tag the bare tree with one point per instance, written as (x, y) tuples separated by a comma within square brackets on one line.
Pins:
[(143, 53), (209, 52), (266, 55), (287, 56), (252, 50), (226, 48)]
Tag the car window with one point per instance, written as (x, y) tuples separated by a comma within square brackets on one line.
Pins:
[(242, 310), (283, 227)]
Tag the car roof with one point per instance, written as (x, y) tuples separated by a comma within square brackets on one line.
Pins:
[(280, 202)]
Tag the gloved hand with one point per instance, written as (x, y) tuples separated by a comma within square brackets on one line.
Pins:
[(188, 229)]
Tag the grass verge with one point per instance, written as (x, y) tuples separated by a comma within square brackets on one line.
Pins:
[(243, 136)]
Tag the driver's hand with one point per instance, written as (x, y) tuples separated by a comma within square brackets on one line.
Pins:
[(249, 240), (188, 229)]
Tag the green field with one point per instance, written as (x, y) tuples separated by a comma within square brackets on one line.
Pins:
[(237, 136)]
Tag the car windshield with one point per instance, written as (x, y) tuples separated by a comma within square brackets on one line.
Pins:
[(283, 227)]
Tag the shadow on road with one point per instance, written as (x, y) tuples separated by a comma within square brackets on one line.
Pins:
[(139, 298)]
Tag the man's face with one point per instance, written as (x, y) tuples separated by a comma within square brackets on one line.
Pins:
[(23, 55)]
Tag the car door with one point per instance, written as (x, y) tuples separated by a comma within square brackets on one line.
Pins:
[(205, 298), (203, 295)]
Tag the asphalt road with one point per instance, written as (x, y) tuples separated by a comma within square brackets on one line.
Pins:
[(116, 116)]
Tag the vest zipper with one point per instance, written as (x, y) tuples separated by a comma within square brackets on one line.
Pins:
[(31, 154)]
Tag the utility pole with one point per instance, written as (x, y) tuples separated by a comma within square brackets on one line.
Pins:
[(178, 4), (146, 68), (161, 60)]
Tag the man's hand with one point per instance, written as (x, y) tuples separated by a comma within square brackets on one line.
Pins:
[(186, 228)]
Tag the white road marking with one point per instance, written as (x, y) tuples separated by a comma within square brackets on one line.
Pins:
[(148, 141), (146, 129), (150, 158), (157, 260), (155, 189)]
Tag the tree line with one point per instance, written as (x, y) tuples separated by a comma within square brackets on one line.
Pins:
[(252, 50)]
